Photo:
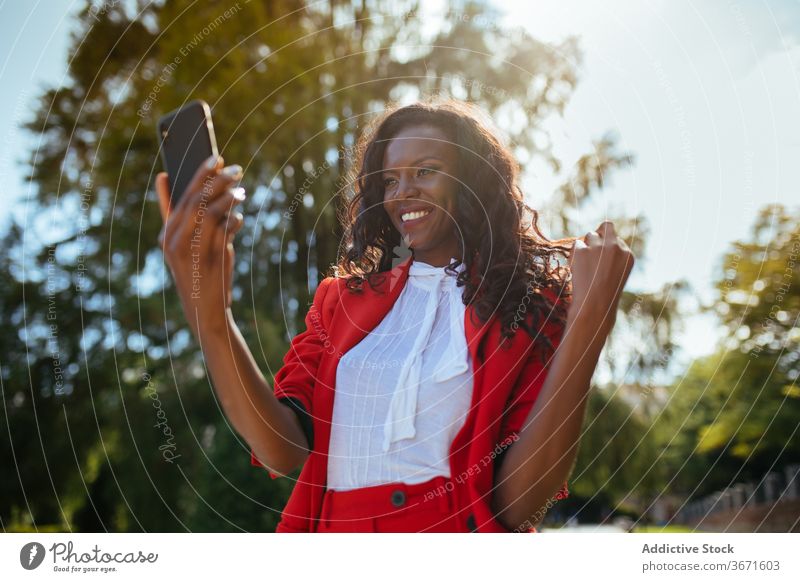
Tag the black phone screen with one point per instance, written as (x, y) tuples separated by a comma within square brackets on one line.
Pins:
[(186, 138)]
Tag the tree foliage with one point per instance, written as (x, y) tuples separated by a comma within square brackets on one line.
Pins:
[(735, 415)]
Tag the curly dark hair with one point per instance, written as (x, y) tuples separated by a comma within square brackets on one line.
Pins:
[(513, 261)]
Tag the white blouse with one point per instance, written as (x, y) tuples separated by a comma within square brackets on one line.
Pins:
[(403, 392)]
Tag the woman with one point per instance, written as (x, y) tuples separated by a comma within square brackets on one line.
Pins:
[(454, 411)]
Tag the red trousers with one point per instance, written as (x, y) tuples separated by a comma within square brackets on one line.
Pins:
[(394, 507)]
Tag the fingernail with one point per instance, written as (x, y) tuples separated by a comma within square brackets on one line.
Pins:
[(211, 163), (234, 171), (238, 193)]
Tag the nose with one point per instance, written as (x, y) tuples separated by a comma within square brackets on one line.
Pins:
[(406, 188)]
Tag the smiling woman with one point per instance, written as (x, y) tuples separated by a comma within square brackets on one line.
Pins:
[(435, 414), (444, 158), (412, 400)]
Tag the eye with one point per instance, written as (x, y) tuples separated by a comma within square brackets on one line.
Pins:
[(424, 171), (388, 182)]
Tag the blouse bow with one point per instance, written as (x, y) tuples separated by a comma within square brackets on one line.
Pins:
[(402, 408)]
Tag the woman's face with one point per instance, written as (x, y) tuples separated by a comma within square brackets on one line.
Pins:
[(419, 169)]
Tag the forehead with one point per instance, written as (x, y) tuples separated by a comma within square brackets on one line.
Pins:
[(415, 142)]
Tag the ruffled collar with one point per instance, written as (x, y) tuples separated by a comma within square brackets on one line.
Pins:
[(428, 275)]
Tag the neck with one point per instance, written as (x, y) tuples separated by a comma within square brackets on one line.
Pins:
[(437, 259)]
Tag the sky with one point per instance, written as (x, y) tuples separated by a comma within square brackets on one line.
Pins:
[(705, 95), (34, 38)]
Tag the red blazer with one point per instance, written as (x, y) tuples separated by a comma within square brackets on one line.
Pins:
[(506, 382)]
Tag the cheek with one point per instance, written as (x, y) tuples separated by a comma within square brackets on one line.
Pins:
[(388, 214), (449, 198), (443, 190)]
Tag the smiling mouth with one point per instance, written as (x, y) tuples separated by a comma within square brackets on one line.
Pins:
[(413, 217)]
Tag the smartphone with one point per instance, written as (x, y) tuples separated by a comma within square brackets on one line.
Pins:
[(186, 140)]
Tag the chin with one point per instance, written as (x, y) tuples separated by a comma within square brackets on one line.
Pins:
[(419, 244)]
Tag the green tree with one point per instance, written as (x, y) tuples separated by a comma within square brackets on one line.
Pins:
[(735, 415)]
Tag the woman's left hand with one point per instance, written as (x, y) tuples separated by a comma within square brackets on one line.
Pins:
[(600, 264)]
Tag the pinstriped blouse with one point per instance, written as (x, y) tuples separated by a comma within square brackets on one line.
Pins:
[(403, 392)]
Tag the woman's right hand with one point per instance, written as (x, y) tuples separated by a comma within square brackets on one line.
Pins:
[(600, 264), (197, 241)]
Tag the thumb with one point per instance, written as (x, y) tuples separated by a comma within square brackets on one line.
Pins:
[(162, 191)]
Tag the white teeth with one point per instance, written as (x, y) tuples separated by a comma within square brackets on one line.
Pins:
[(414, 215)]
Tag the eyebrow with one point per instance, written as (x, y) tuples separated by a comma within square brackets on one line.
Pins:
[(416, 163)]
